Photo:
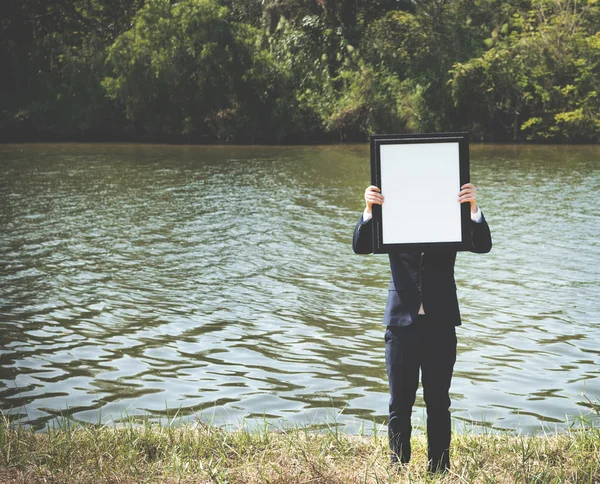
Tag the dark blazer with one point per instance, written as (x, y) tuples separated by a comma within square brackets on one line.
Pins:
[(426, 278)]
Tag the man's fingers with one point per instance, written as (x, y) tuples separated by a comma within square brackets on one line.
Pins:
[(373, 195), (468, 193), (375, 200)]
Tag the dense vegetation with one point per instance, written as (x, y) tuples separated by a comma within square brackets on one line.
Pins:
[(299, 70)]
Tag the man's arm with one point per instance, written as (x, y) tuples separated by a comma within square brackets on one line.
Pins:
[(362, 242), (481, 238)]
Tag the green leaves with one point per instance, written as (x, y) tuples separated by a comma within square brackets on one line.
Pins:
[(536, 82), (273, 70), (178, 67)]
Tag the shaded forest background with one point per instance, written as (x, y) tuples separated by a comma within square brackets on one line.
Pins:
[(274, 71)]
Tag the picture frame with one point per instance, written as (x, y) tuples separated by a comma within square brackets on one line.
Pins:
[(420, 176)]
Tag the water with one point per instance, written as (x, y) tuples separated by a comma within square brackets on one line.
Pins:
[(219, 282)]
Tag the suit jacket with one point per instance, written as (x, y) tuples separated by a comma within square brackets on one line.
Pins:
[(417, 278)]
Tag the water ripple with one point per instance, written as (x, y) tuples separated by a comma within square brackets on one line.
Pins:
[(220, 282)]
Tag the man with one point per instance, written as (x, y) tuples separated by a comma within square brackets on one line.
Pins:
[(421, 314)]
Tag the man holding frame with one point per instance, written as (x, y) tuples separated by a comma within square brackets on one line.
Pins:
[(420, 316)]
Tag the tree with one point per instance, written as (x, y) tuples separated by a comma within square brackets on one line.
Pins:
[(177, 69), (539, 78), (52, 55)]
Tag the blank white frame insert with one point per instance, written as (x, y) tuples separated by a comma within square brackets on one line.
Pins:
[(420, 183)]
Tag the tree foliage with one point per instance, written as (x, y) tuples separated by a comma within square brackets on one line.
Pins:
[(539, 78), (300, 70)]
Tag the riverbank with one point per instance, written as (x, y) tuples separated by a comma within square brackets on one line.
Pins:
[(25, 136), (198, 453)]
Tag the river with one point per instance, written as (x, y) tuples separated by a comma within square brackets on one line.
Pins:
[(218, 282)]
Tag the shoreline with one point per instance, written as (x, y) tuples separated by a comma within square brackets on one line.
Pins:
[(198, 453), (207, 140)]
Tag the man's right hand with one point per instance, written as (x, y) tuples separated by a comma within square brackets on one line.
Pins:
[(372, 196)]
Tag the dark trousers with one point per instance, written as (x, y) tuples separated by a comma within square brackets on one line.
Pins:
[(430, 347)]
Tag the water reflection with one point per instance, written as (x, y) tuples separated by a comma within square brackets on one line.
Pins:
[(221, 281)]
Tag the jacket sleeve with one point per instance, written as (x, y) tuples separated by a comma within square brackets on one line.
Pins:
[(481, 238), (362, 242)]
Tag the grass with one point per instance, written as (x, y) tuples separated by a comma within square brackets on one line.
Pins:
[(137, 452)]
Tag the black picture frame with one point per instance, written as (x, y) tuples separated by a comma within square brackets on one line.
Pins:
[(453, 149)]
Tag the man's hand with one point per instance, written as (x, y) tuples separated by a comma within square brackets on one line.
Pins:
[(468, 193), (372, 196)]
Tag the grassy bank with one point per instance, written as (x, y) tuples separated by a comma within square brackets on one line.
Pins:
[(199, 453)]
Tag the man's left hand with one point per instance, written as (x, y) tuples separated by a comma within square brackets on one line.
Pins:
[(468, 193)]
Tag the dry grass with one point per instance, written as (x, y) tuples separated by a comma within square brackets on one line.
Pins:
[(199, 453)]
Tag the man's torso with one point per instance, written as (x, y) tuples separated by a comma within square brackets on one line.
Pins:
[(426, 279)]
